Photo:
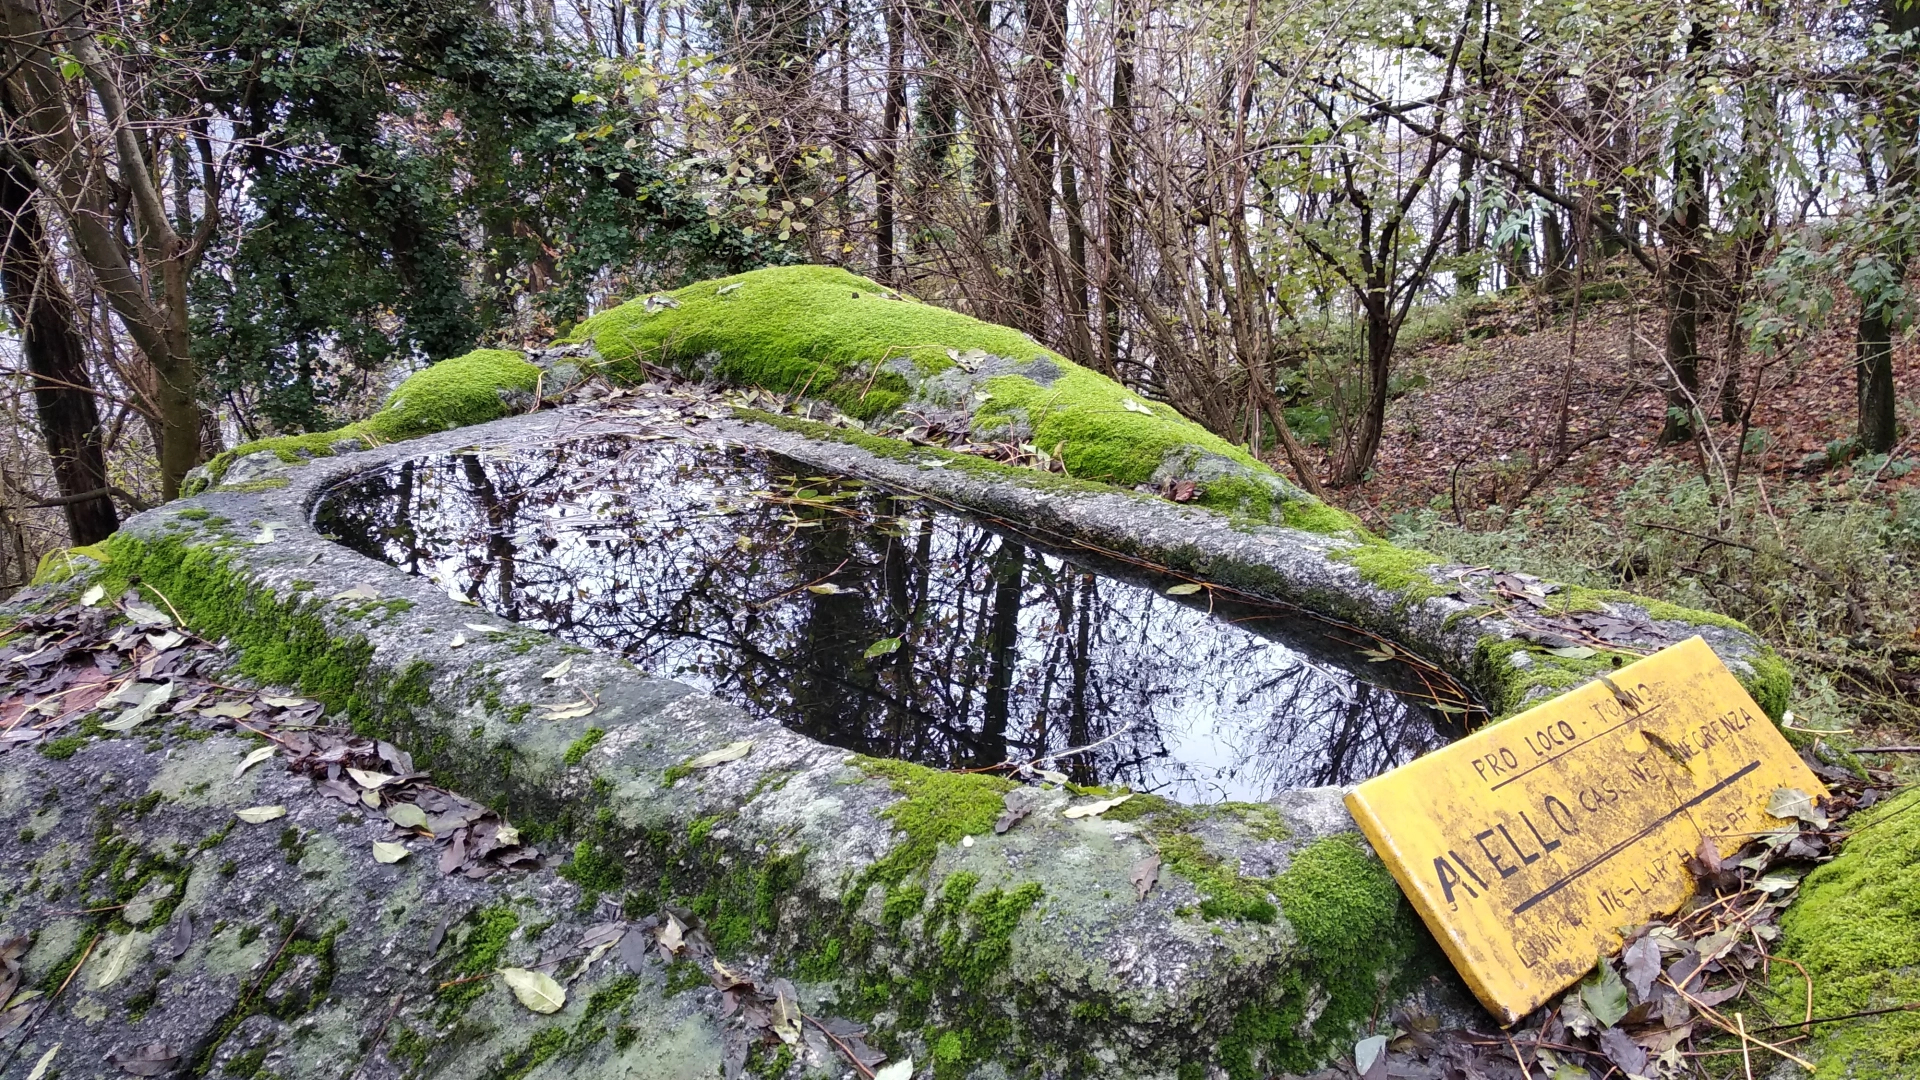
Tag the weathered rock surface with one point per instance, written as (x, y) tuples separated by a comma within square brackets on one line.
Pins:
[(1270, 935), (1265, 940), (283, 949)]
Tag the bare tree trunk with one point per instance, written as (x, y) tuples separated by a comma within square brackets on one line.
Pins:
[(1036, 130), (887, 171), (986, 185), (1686, 267), (57, 362), (1269, 402), (1078, 337), (1356, 457), (1753, 226), (145, 281), (1555, 275), (1119, 190), (936, 119), (1900, 129), (617, 23), (1466, 280), (1873, 380), (1683, 343)]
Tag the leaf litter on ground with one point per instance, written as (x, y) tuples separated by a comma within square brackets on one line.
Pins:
[(757, 1009), (67, 665), (60, 649), (1670, 995)]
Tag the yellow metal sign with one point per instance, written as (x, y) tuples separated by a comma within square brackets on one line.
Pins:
[(1530, 845)]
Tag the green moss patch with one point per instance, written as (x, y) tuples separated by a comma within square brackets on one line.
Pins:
[(817, 330), (1402, 571), (1856, 929), (825, 333), (939, 808), (1499, 669), (896, 450), (1771, 683), (1086, 417), (1509, 681), (554, 1040), (286, 643), (453, 393), (1313, 516), (1359, 946), (577, 751), (488, 931), (974, 932)]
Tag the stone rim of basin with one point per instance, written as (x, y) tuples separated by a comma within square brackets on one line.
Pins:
[(576, 535), (1267, 936)]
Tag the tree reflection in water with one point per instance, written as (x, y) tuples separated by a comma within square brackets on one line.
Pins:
[(877, 622)]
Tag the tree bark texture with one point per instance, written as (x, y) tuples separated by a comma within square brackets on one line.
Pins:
[(1686, 268), (1873, 349), (145, 282), (63, 394)]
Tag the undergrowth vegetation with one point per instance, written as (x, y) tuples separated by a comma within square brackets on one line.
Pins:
[(1824, 569)]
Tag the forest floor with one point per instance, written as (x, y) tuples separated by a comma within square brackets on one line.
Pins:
[(1529, 438), (1813, 546), (1484, 411)]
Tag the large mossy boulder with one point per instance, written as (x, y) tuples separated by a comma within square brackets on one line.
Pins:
[(1266, 941), (873, 353)]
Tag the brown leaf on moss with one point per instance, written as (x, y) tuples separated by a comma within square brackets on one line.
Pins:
[(1146, 874)]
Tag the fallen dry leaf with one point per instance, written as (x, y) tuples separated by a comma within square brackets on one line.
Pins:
[(153, 1059), (672, 935), (407, 816), (146, 615), (536, 989), (1095, 809), (1146, 873), (117, 960), (730, 752), (150, 703), (372, 781), (255, 758)]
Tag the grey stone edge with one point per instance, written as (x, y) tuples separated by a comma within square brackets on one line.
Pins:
[(1170, 982)]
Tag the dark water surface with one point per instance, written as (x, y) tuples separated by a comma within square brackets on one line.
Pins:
[(885, 624)]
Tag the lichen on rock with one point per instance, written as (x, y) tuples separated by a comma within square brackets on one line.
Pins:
[(209, 938)]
